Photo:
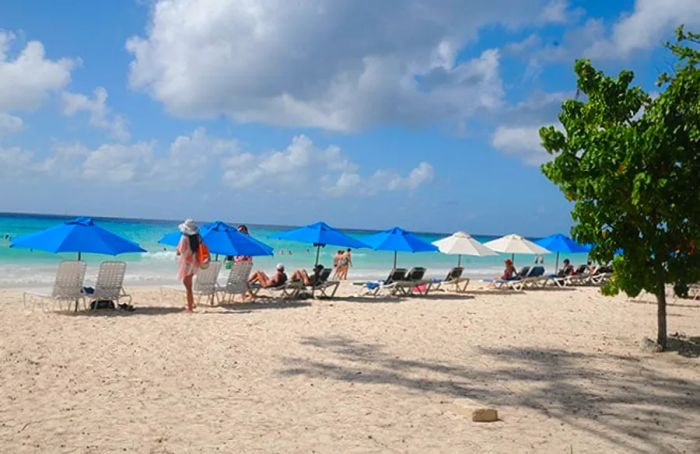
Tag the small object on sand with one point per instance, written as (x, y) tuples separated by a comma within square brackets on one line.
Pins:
[(485, 415), (649, 346)]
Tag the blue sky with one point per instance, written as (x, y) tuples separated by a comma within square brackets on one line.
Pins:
[(365, 114)]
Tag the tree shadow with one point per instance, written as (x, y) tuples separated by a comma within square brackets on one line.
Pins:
[(138, 310), (622, 402), (688, 346), (670, 304), (259, 305)]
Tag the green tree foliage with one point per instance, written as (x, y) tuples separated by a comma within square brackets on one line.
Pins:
[(630, 162)]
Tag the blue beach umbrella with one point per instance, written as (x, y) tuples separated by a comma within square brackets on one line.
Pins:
[(79, 235), (561, 243), (321, 234), (223, 239), (397, 239)]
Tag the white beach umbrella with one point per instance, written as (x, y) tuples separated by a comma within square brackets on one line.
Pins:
[(515, 244), (461, 243)]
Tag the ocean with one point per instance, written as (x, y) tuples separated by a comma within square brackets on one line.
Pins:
[(24, 268)]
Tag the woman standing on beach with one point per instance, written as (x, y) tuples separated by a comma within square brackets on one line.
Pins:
[(187, 257)]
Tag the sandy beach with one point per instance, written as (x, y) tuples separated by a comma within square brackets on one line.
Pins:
[(563, 368)]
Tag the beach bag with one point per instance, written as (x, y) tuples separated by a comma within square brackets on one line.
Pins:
[(102, 304), (203, 256)]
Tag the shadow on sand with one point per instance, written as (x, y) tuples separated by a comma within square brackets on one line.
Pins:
[(622, 402)]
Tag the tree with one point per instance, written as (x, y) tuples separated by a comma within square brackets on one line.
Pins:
[(630, 163)]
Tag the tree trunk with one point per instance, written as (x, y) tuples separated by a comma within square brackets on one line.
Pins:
[(661, 318)]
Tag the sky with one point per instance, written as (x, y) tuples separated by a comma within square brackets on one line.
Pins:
[(418, 113)]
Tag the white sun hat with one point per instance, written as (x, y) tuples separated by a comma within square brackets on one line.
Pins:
[(188, 227)]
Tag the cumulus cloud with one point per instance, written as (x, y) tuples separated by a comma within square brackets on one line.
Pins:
[(26, 79), (15, 161), (96, 107), (9, 124), (523, 142), (646, 27), (339, 65), (304, 168), (192, 159)]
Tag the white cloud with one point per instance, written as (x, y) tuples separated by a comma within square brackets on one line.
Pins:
[(521, 141), (116, 163), (301, 169), (304, 169), (99, 112), (27, 79), (14, 161), (9, 124), (339, 65), (646, 27), (555, 11)]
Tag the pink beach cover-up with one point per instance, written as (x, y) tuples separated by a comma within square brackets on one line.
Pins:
[(187, 261)]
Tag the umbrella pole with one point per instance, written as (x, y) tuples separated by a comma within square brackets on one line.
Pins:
[(395, 254), (76, 301), (556, 267), (459, 260), (512, 257), (318, 252)]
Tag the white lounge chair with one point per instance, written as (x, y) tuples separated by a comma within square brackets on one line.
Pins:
[(67, 287), (237, 282), (204, 284), (109, 285)]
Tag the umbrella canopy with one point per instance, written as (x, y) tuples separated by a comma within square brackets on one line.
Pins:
[(515, 244), (397, 239), (224, 239), (561, 243), (461, 243), (321, 234), (79, 235)]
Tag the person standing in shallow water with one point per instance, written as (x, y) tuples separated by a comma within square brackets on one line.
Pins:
[(187, 258)]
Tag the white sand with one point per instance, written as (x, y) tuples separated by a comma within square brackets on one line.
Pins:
[(563, 368)]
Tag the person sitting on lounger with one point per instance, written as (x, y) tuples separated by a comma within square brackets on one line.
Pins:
[(567, 269), (302, 276), (265, 281), (509, 272)]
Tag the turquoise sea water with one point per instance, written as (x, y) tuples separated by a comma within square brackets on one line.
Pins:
[(25, 268)]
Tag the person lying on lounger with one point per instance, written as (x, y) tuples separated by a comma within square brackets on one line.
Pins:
[(265, 281), (567, 269), (302, 276)]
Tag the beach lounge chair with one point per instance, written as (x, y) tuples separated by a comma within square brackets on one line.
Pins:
[(413, 283), (67, 287), (286, 291), (534, 278), (204, 284), (109, 285), (453, 278), (325, 287), (505, 283), (237, 282), (372, 288)]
